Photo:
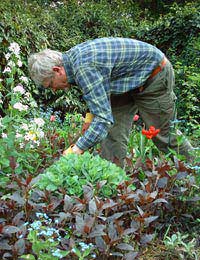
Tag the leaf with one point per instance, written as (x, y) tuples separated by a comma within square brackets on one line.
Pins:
[(130, 231), (131, 256), (10, 229), (124, 246), (162, 182), (88, 192), (113, 254), (68, 205), (100, 243), (181, 175), (150, 219), (112, 233), (64, 216), (17, 218), (29, 257), (115, 216), (141, 212), (12, 162), (109, 204), (18, 198), (92, 206), (19, 246), (160, 201), (196, 198), (79, 224), (146, 238), (98, 231), (153, 194), (4, 245), (6, 256), (28, 179)]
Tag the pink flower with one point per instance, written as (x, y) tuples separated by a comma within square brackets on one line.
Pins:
[(135, 118), (52, 118)]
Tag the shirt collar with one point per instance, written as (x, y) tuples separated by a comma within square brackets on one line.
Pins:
[(68, 68)]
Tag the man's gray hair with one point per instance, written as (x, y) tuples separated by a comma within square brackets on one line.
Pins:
[(40, 65)]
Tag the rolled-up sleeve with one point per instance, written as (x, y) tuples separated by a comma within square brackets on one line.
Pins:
[(94, 86)]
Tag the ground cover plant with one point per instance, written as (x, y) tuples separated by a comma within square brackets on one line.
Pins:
[(82, 207)]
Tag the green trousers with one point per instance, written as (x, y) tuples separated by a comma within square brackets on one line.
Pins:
[(156, 107)]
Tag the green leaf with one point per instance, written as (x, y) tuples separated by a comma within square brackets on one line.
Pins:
[(29, 257)]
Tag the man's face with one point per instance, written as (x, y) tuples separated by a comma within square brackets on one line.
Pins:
[(58, 81)]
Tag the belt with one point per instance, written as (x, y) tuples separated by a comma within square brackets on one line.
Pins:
[(125, 98), (153, 74)]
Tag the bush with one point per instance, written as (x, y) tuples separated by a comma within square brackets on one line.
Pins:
[(73, 171)]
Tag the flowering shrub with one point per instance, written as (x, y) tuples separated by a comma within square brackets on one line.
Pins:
[(44, 239), (29, 138)]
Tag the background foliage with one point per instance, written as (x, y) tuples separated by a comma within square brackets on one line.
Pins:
[(157, 204), (173, 26)]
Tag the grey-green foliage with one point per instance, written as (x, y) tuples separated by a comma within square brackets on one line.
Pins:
[(73, 171)]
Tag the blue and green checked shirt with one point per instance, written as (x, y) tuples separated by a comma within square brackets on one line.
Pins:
[(106, 66)]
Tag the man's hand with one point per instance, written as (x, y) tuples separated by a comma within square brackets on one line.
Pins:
[(87, 121), (73, 149)]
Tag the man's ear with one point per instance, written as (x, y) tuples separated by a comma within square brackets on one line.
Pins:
[(57, 69)]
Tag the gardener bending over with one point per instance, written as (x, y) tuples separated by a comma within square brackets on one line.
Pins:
[(118, 78)]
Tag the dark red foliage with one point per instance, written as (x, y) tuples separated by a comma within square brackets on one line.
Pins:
[(134, 214)]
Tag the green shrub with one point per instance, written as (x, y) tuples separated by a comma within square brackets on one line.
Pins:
[(73, 171)]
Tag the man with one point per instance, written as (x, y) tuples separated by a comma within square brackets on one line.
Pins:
[(118, 77)]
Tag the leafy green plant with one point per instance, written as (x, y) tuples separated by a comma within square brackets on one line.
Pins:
[(140, 146), (84, 251), (177, 243), (72, 172), (44, 239)]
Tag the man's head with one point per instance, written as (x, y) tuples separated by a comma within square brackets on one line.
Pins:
[(46, 69)]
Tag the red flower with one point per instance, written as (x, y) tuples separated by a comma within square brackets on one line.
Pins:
[(52, 118), (135, 118), (152, 132)]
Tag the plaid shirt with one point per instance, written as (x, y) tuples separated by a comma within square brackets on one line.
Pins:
[(106, 66)]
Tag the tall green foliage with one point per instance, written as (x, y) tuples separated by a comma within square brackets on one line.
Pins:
[(173, 26)]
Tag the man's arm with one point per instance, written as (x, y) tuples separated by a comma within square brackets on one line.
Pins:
[(94, 86)]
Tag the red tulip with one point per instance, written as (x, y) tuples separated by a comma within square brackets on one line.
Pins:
[(152, 132)]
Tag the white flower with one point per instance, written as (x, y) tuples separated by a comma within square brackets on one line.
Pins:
[(39, 121), (30, 136), (19, 106), (21, 145), (18, 135), (24, 126), (19, 88), (52, 5), (14, 47), (1, 101), (1, 80), (27, 95), (37, 142), (24, 79), (7, 69), (7, 56), (11, 64), (40, 134), (19, 63), (4, 135)]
